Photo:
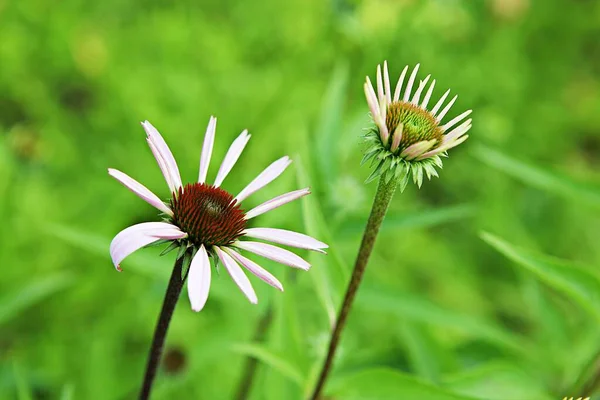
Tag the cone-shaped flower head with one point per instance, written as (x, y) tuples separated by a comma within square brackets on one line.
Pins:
[(206, 222), (409, 138)]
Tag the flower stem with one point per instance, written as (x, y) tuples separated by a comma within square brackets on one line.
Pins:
[(160, 333), (385, 192)]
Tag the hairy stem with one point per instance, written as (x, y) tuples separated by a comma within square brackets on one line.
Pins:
[(385, 192), (160, 333)]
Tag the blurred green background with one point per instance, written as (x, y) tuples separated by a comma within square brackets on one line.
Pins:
[(446, 311)]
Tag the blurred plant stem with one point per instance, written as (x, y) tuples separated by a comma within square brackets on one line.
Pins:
[(383, 196), (589, 380), (245, 384), (160, 333)]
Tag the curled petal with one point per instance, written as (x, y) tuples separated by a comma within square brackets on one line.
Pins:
[(428, 95), (443, 148), (163, 156), (285, 237), (457, 132), (411, 81), (398, 90), (142, 191), (137, 236), (439, 103), (442, 113), (415, 150), (238, 276), (455, 120), (417, 95), (386, 83)]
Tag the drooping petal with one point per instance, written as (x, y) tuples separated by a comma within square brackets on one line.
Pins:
[(439, 103), (264, 178), (255, 269), (274, 253), (452, 122), (442, 113), (398, 90), (163, 156), (238, 276), (142, 191), (415, 150), (417, 95), (207, 148), (234, 152), (277, 202), (198, 284), (285, 237), (428, 95), (411, 81), (137, 236)]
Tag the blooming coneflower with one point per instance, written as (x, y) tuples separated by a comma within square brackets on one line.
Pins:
[(206, 222), (408, 138)]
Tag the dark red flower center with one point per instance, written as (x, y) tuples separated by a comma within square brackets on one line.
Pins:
[(208, 215)]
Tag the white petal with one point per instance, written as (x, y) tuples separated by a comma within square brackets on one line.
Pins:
[(255, 269), (207, 148), (417, 96), (234, 152), (142, 191), (276, 202), (442, 113), (264, 178), (380, 90), (372, 101), (399, 84), (198, 284), (443, 148), (274, 253), (416, 149), (137, 236), (386, 83), (411, 80), (163, 156), (428, 96), (237, 275), (287, 238), (458, 131), (452, 122), (439, 103)]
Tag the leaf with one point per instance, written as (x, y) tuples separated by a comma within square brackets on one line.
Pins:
[(537, 177), (35, 292), (409, 306), (575, 282), (498, 381), (328, 130), (395, 221), (272, 360), (383, 383)]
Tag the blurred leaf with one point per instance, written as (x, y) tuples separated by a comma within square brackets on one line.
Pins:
[(67, 392), (272, 360), (151, 266), (395, 221), (422, 351), (577, 283), (416, 308), (24, 391), (35, 292), (382, 383), (538, 177), (328, 130), (498, 381)]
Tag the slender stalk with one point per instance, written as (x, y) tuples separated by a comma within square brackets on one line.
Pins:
[(385, 192), (160, 333)]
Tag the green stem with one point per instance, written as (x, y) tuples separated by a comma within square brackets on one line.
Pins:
[(160, 333), (385, 192)]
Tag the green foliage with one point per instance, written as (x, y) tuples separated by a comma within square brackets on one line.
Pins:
[(441, 314)]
